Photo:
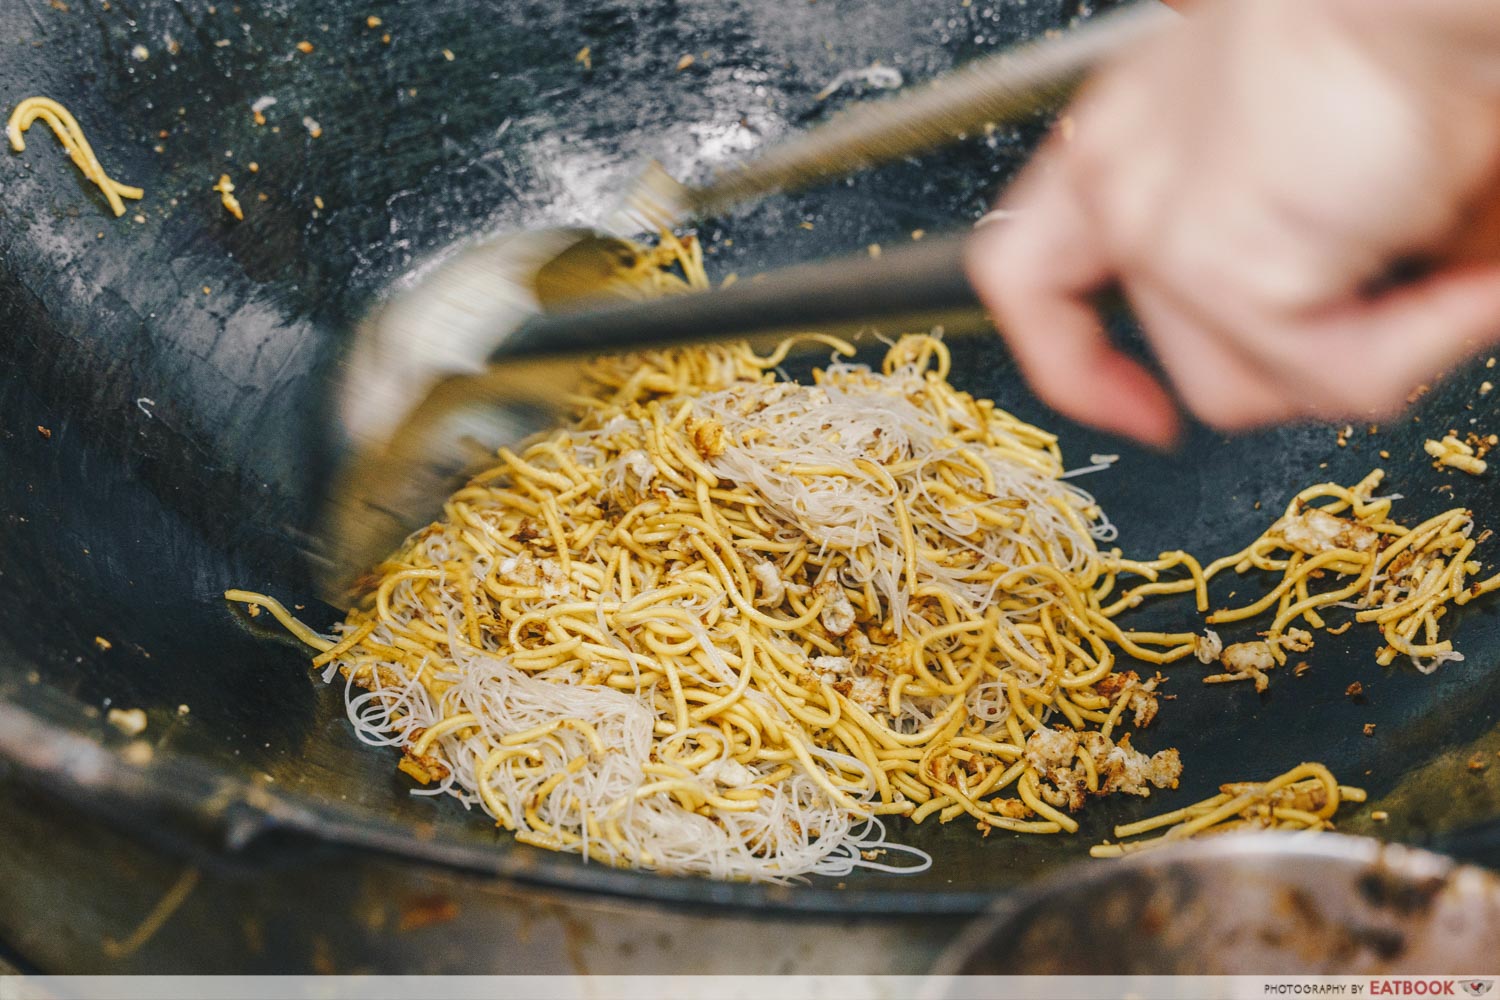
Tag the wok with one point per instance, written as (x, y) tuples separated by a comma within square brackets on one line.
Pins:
[(164, 383)]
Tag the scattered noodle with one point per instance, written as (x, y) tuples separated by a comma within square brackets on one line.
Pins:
[(225, 188), (288, 621), (71, 136), (1456, 454), (1304, 798), (165, 907), (1337, 547)]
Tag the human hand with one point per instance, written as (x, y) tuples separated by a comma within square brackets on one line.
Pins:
[(1251, 180)]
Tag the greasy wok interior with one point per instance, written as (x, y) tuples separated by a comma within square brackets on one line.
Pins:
[(176, 366)]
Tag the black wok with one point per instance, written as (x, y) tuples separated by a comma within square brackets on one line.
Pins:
[(162, 388)]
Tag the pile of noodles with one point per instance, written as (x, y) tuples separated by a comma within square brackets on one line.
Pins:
[(722, 622)]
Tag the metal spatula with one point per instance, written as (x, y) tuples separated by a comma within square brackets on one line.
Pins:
[(481, 350)]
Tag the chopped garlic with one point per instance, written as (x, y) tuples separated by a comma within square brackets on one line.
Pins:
[(1245, 661), (837, 615), (772, 586), (1208, 646), (1316, 531), (130, 721)]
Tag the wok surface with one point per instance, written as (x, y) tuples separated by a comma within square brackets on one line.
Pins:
[(178, 364)]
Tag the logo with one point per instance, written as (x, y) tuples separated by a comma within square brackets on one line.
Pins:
[(1477, 987)]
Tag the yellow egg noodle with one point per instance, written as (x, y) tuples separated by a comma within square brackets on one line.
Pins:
[(68, 132), (723, 623), (1304, 798)]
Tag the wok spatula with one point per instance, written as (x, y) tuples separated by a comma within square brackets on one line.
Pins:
[(481, 350)]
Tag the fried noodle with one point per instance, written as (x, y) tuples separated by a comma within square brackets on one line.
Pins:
[(723, 623)]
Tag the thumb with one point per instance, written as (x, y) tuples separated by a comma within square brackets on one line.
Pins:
[(1036, 272)]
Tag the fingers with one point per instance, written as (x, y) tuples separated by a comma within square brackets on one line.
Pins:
[(1237, 369), (1254, 309), (1221, 384), (1232, 365), (1478, 241), (1386, 347), (1036, 272)]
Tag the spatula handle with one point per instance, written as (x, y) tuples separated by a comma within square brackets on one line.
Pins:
[(916, 287), (995, 89)]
